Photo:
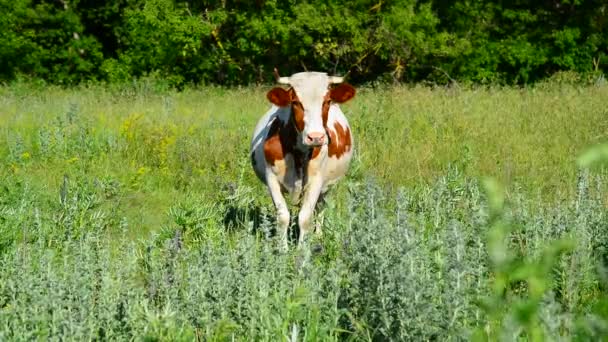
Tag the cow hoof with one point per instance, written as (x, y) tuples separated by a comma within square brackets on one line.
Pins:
[(317, 248), (283, 248), (282, 245), (302, 258)]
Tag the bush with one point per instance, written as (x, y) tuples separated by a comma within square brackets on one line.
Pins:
[(46, 40), (435, 262), (240, 43)]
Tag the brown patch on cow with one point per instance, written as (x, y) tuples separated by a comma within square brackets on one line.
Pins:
[(281, 141), (325, 109), (342, 93), (284, 98), (297, 111), (340, 141), (279, 96), (338, 94), (315, 152)]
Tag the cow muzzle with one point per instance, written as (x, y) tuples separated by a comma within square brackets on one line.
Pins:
[(315, 139)]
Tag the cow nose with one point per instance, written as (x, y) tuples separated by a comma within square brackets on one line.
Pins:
[(315, 139)]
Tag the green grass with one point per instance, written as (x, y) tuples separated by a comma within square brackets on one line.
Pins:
[(132, 213), (405, 136)]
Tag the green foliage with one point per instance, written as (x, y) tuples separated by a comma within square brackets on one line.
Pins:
[(524, 41), (410, 267), (158, 143), (511, 271), (131, 212), (160, 36), (239, 42), (46, 40), (594, 155)]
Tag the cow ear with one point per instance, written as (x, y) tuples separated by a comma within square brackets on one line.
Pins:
[(342, 93), (279, 97)]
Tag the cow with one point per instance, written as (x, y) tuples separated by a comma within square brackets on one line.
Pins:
[(302, 145)]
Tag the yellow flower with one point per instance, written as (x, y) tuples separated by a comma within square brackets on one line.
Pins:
[(142, 171), (127, 127), (25, 155), (72, 160)]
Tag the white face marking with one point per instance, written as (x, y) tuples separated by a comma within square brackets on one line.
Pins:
[(311, 88)]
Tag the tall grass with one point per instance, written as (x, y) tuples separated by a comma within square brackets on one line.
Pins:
[(430, 263), (526, 137), (132, 213)]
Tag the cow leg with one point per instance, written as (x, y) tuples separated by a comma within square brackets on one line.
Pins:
[(311, 195), (279, 202), (320, 209)]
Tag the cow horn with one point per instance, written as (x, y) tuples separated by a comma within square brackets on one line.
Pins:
[(281, 80), (335, 79)]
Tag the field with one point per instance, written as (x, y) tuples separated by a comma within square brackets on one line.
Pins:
[(131, 212)]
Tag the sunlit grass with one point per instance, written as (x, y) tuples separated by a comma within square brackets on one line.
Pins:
[(159, 142), (404, 135), (130, 212)]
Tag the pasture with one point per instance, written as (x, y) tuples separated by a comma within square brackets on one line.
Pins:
[(132, 212)]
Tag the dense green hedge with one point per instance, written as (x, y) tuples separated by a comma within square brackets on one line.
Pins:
[(239, 42)]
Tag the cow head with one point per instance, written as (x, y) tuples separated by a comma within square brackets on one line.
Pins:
[(310, 95)]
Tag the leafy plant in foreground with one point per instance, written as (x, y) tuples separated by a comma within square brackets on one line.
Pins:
[(518, 285)]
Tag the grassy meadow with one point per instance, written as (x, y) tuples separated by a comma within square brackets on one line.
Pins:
[(132, 213)]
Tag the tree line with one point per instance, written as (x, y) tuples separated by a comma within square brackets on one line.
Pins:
[(233, 42)]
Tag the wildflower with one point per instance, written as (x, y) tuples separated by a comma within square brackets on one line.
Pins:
[(142, 171), (127, 126)]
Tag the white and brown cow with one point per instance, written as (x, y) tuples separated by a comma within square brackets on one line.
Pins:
[(303, 144)]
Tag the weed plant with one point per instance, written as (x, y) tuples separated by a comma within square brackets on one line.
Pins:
[(132, 214)]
